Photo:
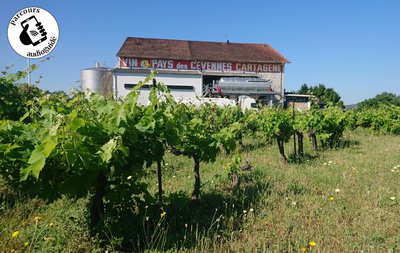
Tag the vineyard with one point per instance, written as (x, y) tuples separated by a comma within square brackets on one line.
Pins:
[(117, 161)]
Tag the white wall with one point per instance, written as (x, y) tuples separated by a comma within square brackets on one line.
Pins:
[(180, 78), (195, 80)]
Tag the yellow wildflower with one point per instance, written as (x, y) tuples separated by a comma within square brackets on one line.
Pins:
[(15, 234), (312, 244), (163, 214), (38, 218), (331, 198), (26, 244)]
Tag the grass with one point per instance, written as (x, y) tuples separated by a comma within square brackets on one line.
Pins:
[(344, 200), (57, 227)]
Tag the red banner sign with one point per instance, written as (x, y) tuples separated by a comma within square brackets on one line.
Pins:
[(200, 65)]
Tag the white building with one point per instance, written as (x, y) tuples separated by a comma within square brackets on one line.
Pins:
[(193, 68)]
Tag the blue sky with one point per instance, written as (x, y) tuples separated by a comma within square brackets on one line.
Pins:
[(351, 46)]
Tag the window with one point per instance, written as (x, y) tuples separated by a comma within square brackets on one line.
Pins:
[(129, 86)]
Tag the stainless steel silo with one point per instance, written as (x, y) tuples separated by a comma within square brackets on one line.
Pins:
[(97, 79)]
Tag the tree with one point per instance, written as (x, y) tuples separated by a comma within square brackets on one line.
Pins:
[(13, 97), (205, 130), (304, 89), (276, 124), (9, 100), (322, 93), (384, 98), (16, 98)]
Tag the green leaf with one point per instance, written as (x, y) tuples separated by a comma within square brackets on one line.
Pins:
[(49, 144), (76, 122), (107, 150), (9, 147), (38, 157), (37, 162)]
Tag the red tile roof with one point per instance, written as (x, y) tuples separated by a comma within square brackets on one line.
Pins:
[(198, 50)]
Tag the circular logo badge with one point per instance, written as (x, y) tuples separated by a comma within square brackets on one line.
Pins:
[(33, 32)]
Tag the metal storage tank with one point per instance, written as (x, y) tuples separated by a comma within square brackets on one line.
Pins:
[(97, 79)]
